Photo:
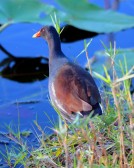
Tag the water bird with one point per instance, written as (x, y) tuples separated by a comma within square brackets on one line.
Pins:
[(72, 89)]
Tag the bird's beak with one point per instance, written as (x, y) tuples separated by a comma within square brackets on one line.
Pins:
[(36, 35)]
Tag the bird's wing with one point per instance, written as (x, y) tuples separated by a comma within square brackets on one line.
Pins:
[(75, 92), (85, 91)]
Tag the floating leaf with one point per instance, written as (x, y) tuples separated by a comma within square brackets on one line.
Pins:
[(90, 17), (127, 53), (84, 16), (25, 11)]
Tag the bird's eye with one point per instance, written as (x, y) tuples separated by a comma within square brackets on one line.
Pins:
[(42, 30)]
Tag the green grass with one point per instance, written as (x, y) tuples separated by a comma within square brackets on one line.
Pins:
[(105, 141)]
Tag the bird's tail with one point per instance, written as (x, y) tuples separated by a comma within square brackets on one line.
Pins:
[(97, 110)]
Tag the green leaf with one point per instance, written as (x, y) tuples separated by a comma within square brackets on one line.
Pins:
[(87, 16), (24, 11), (81, 14), (129, 54), (101, 77), (126, 63), (107, 75)]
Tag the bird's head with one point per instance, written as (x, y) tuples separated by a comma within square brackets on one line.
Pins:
[(46, 32)]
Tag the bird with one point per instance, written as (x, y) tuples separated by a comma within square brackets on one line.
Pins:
[(72, 89)]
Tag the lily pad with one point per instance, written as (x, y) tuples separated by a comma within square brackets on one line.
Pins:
[(123, 54), (24, 11), (80, 14), (87, 16)]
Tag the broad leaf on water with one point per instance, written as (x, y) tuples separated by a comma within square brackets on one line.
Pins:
[(13, 11), (125, 56), (81, 14), (87, 16)]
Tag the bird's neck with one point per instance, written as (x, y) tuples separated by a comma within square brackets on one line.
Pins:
[(54, 48), (55, 51)]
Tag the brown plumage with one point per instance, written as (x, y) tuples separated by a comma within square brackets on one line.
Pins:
[(71, 88)]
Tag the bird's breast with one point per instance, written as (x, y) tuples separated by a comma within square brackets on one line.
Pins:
[(54, 98)]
